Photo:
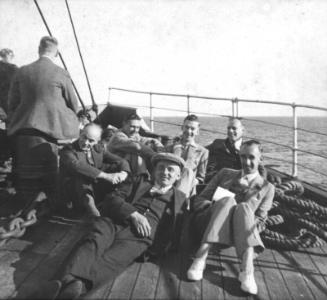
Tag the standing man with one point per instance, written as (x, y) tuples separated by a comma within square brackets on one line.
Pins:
[(41, 110), (224, 153), (228, 212), (88, 171), (7, 71), (195, 156), (144, 221)]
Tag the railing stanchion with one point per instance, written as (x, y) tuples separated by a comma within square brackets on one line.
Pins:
[(151, 114), (295, 145), (236, 107), (233, 108), (109, 95), (188, 104)]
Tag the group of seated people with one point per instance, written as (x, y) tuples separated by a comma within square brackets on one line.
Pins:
[(137, 190)]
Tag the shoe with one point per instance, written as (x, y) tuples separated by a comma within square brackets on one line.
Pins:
[(248, 283), (72, 290), (49, 290), (195, 272)]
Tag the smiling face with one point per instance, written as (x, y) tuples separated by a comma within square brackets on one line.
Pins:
[(166, 173), (251, 158), (89, 137), (190, 130), (132, 127), (235, 130)]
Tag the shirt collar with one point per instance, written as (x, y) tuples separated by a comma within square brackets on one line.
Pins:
[(238, 144), (159, 189), (47, 56), (250, 177)]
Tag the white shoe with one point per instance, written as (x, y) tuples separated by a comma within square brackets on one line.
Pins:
[(195, 272), (248, 283)]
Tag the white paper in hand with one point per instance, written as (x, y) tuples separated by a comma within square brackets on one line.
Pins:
[(221, 193)]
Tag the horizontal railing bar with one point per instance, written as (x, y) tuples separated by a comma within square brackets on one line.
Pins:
[(251, 137), (290, 162), (281, 125), (229, 116), (220, 98)]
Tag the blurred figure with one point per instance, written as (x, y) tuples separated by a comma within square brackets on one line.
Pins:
[(7, 71), (41, 110), (224, 153), (106, 135)]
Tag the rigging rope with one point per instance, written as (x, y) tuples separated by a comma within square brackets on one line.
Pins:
[(94, 105), (305, 217), (60, 56)]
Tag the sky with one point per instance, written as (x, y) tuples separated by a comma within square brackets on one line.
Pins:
[(255, 49)]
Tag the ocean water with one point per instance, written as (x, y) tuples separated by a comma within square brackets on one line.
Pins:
[(312, 169)]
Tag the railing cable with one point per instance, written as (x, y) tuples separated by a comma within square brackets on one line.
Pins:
[(60, 56), (94, 105)]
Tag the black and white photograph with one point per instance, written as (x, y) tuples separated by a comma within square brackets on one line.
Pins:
[(163, 149)]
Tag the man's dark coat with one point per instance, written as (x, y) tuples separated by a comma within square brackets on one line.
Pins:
[(42, 98)]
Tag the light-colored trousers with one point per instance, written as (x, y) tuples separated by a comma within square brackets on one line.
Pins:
[(231, 224)]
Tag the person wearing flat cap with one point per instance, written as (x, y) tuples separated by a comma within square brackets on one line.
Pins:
[(145, 222)]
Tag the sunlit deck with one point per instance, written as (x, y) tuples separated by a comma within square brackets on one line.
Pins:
[(36, 257)]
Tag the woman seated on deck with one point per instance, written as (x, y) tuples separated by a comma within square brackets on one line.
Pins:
[(228, 212)]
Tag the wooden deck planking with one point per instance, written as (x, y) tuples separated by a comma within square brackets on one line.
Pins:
[(25, 254), (312, 276), (50, 264), (212, 284), (230, 265), (123, 285), (271, 277), (292, 276), (146, 284), (25, 263), (169, 277)]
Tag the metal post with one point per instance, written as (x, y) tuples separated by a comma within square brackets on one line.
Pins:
[(294, 169), (188, 104), (236, 107), (233, 108), (151, 114), (109, 94)]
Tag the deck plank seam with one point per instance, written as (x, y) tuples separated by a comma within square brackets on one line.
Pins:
[(285, 282)]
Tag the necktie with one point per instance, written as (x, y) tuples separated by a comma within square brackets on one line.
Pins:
[(89, 157)]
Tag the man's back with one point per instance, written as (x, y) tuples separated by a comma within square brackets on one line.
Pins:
[(42, 98)]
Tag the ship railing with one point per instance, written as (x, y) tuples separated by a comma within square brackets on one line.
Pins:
[(235, 112)]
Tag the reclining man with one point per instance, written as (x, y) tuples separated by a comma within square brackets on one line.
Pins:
[(137, 150), (143, 221), (229, 212), (224, 153), (195, 156), (89, 171)]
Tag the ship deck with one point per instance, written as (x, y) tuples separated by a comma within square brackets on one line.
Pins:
[(34, 258)]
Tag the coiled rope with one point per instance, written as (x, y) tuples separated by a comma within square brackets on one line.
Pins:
[(294, 222)]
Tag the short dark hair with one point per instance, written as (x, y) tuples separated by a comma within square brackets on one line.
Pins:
[(253, 142), (48, 44), (192, 117), (132, 116), (5, 52)]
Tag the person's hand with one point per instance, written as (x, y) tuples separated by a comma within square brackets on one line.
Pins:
[(141, 224), (122, 176)]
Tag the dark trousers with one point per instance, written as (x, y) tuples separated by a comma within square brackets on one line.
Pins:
[(75, 188), (35, 166), (105, 252)]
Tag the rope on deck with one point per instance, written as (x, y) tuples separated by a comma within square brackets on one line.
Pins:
[(294, 222)]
